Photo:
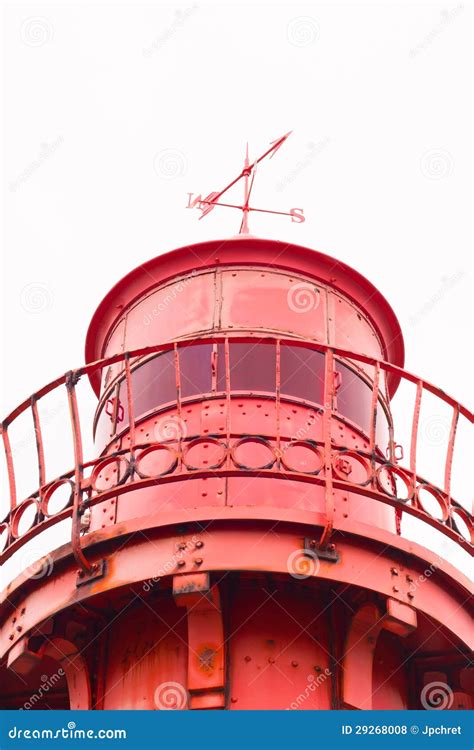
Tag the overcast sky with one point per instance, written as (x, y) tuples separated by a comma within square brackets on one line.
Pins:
[(113, 112)]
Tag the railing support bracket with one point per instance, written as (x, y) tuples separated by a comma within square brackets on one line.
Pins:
[(328, 552), (98, 570)]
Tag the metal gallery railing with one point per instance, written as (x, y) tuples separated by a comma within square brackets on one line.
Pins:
[(124, 465)]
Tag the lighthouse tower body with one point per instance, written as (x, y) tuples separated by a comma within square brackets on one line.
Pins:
[(237, 541)]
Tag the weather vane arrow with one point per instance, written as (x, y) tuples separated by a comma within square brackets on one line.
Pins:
[(248, 173)]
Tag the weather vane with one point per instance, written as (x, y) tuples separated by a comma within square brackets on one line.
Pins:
[(207, 204)]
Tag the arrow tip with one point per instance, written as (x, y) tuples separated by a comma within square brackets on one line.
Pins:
[(279, 142)]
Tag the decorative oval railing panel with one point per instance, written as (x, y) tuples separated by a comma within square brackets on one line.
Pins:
[(138, 452)]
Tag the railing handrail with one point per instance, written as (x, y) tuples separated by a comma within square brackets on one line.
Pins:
[(409, 475), (168, 346)]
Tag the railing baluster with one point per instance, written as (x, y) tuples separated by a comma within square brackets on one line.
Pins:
[(373, 408), (130, 404), (10, 467), (277, 395), (222, 348), (177, 372), (39, 441), (227, 390), (82, 561), (214, 367), (449, 455), (414, 431), (327, 422), (373, 421)]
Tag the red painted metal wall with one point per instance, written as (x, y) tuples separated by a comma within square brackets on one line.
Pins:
[(237, 540)]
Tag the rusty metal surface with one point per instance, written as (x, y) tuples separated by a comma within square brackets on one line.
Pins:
[(324, 456), (238, 532), (246, 545), (197, 315)]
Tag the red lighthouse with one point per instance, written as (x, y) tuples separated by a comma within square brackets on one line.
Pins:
[(238, 538)]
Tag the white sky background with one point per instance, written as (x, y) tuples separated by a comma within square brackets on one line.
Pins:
[(113, 112)]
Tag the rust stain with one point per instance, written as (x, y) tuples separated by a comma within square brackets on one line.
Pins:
[(207, 658)]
